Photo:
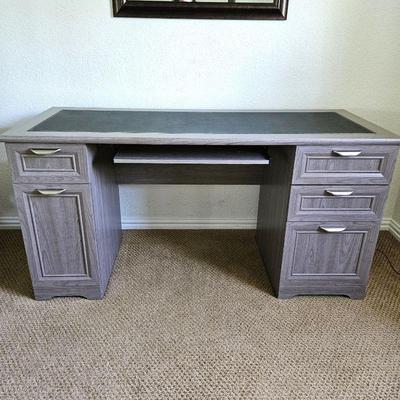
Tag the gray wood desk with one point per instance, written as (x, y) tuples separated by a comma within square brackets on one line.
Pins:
[(324, 179)]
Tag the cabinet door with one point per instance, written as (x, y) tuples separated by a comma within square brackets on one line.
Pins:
[(57, 224), (326, 253)]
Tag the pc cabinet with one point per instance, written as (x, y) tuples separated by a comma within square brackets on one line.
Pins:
[(68, 207), (319, 216)]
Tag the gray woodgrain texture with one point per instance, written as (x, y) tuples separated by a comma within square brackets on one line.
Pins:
[(106, 206), (192, 155), (72, 238), (243, 134), (77, 259), (273, 209), (327, 262), (60, 239), (190, 174), (319, 165), (356, 292), (69, 164), (301, 258), (316, 203)]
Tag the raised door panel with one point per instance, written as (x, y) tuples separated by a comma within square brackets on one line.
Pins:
[(58, 230), (329, 253)]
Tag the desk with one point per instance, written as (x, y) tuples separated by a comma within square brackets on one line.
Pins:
[(324, 178)]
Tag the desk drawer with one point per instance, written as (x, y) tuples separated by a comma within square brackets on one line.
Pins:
[(337, 203), (48, 163), (329, 252), (344, 165)]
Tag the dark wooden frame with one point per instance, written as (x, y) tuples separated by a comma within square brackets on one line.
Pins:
[(175, 9)]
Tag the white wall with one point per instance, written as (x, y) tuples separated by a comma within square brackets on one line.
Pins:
[(329, 54)]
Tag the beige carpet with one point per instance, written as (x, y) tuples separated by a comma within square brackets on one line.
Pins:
[(190, 315)]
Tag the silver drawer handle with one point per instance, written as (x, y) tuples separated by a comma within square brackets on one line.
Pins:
[(332, 229), (50, 192), (335, 193), (44, 152), (347, 153)]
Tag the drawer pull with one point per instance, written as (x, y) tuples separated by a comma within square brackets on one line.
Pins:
[(335, 193), (330, 229), (44, 152), (347, 153), (50, 192)]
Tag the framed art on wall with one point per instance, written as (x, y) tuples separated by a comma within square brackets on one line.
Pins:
[(210, 9)]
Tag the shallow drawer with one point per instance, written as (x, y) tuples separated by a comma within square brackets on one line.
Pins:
[(329, 252), (344, 164), (48, 163), (337, 203)]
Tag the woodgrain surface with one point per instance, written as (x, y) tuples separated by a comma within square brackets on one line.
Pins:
[(69, 164), (299, 257), (243, 136), (192, 155), (327, 262), (60, 239), (317, 164), (273, 209), (106, 206), (72, 238), (60, 234), (315, 203), (190, 174)]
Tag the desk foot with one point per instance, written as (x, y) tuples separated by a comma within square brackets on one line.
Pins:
[(89, 293), (354, 292)]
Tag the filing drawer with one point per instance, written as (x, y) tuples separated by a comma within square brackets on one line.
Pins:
[(329, 252), (344, 164), (48, 163), (337, 203)]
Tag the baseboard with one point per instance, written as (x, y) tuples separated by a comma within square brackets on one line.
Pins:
[(9, 223), (388, 224), (392, 226), (159, 223), (204, 223)]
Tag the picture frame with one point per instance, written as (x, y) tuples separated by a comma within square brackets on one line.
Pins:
[(202, 9)]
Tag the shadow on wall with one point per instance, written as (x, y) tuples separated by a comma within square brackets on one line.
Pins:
[(234, 253), (188, 205), (7, 202)]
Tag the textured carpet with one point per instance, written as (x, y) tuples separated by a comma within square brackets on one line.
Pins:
[(190, 315)]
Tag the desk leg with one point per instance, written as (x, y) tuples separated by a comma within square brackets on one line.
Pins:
[(107, 216), (273, 210)]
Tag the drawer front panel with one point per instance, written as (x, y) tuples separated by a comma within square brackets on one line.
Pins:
[(344, 164), (337, 203), (48, 163), (58, 232), (330, 252)]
